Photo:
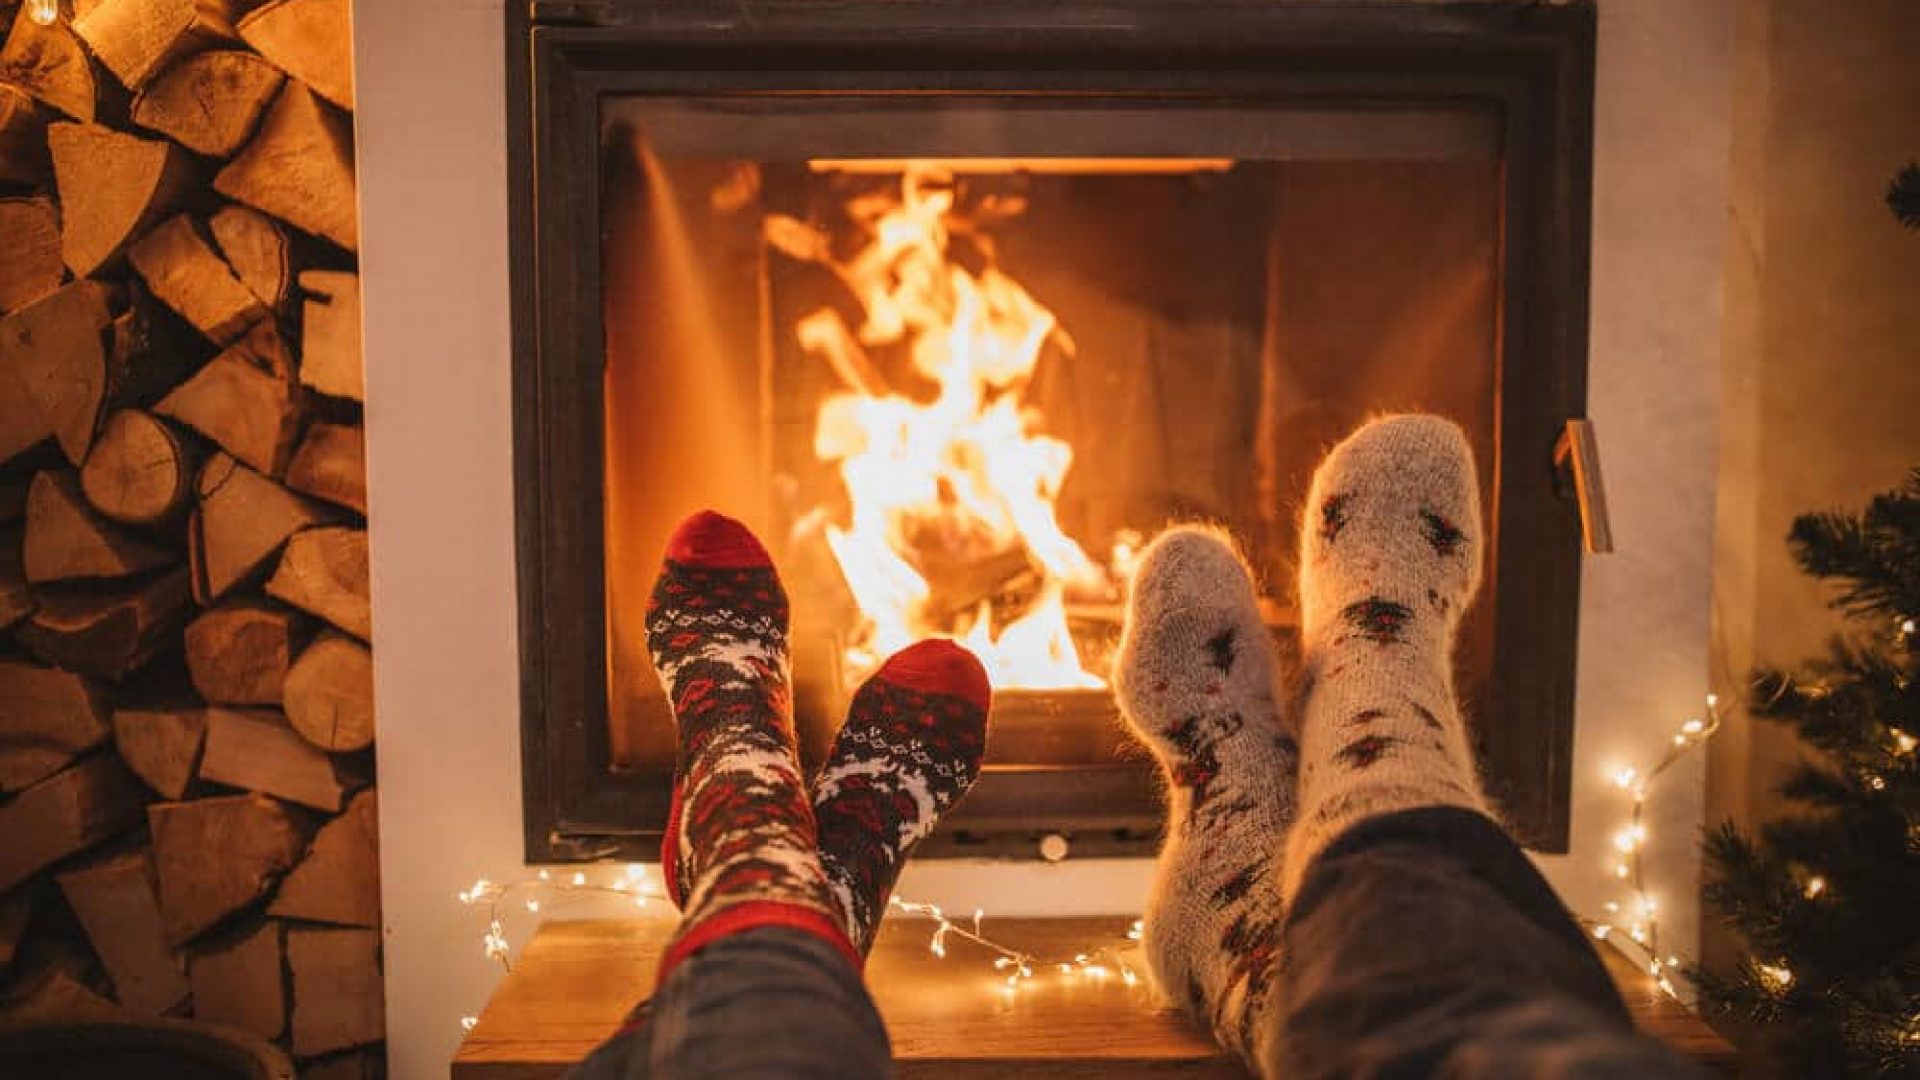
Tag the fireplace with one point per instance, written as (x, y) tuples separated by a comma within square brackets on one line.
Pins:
[(958, 303)]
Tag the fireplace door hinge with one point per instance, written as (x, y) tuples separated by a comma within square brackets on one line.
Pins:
[(1576, 456)]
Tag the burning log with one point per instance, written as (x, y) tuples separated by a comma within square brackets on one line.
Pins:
[(958, 588), (161, 746), (209, 103)]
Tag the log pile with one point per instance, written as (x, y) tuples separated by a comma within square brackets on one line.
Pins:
[(187, 810)]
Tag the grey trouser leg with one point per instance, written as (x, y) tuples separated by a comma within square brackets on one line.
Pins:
[(766, 1003)]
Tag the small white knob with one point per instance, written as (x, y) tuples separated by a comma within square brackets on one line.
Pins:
[(1054, 847)]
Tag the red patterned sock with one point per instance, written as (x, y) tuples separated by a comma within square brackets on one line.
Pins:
[(911, 747), (741, 844)]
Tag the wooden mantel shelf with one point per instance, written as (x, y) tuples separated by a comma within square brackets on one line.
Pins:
[(575, 981)]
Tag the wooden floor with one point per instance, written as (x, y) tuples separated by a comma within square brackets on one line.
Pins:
[(948, 1018)]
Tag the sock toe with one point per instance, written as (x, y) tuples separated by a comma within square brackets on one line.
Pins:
[(940, 666), (715, 540)]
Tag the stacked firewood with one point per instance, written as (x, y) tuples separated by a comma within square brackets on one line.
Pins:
[(187, 816)]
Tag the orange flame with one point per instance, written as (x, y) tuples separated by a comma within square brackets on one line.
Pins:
[(966, 474)]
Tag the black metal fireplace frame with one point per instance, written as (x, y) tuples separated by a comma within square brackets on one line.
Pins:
[(1532, 62)]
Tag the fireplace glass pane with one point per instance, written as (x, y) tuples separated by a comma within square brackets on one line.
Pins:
[(955, 358)]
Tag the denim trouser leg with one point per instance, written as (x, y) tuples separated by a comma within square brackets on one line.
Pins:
[(1424, 943), (758, 1005)]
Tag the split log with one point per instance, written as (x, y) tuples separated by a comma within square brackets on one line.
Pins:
[(311, 40), (238, 653), (112, 187), (140, 470), (299, 168), (66, 539), (30, 235), (331, 464), (329, 694), (251, 414), (57, 997), (257, 751), (110, 636), (16, 597), (66, 813), (114, 898), (49, 63), (338, 998), (52, 717), (324, 572), (258, 250), (339, 880), (209, 103), (330, 334), (161, 746), (241, 521), (56, 349), (23, 138), (241, 982), (187, 275), (16, 912), (134, 39), (215, 856)]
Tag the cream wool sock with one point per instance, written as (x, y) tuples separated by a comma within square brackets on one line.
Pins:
[(1196, 678), (1390, 556)]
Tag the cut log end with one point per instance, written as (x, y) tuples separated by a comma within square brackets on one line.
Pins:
[(209, 103), (329, 694), (140, 471)]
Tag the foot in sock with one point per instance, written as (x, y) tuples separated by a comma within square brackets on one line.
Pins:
[(910, 749), (740, 846), (1390, 557), (1197, 680)]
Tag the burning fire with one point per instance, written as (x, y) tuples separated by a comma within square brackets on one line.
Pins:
[(951, 530)]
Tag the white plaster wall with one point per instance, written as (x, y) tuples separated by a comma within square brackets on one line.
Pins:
[(431, 132)]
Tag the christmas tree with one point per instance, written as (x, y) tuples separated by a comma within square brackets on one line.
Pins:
[(1827, 899)]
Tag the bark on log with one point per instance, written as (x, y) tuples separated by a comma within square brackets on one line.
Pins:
[(329, 694), (215, 856), (30, 235), (140, 471), (331, 464), (238, 653), (66, 539), (311, 40), (112, 187), (56, 350), (339, 880), (109, 636), (324, 572), (338, 998), (330, 334), (299, 168), (241, 981), (161, 746), (114, 898), (250, 413), (52, 717), (187, 275), (258, 250), (135, 39), (209, 103), (23, 138), (66, 813), (50, 63), (257, 751), (241, 521)]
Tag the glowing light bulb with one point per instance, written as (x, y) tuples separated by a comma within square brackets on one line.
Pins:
[(1815, 886), (533, 905), (467, 1023), (44, 12), (1904, 742), (579, 879)]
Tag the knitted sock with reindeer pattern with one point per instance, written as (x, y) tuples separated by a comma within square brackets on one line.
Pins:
[(1390, 556), (740, 849), (1196, 678)]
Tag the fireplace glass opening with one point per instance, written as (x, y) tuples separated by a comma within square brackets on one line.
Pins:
[(957, 358)]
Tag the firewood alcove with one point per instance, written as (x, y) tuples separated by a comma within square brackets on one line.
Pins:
[(187, 813), (957, 303)]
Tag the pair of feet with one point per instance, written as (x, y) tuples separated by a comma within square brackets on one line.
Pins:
[(1390, 556)]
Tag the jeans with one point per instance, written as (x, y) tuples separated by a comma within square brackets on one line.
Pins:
[(1421, 943)]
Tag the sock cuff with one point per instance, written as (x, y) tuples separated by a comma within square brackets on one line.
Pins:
[(718, 542), (754, 915), (939, 666)]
